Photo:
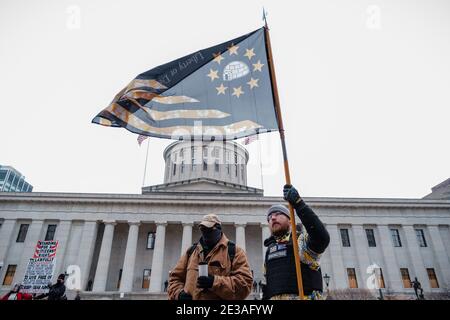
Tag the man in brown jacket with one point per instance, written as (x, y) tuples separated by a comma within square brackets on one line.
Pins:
[(229, 278)]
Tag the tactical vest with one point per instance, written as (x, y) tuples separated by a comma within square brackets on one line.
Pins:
[(281, 276)]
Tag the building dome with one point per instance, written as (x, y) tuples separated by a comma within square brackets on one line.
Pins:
[(222, 161)]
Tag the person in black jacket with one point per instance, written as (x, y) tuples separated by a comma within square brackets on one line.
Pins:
[(417, 286), (56, 291), (279, 263)]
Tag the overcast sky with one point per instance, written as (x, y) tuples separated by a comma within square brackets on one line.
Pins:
[(364, 89)]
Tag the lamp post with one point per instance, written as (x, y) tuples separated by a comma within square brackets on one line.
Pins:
[(326, 277)]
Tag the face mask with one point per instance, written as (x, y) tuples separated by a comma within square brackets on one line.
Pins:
[(211, 236)]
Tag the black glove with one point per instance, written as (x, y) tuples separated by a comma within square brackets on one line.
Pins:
[(184, 296), (205, 282), (291, 195)]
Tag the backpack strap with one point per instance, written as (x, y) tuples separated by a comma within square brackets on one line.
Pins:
[(231, 250), (191, 250)]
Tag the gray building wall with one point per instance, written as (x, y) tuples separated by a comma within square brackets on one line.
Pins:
[(82, 217)]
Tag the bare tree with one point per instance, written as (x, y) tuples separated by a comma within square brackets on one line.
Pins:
[(399, 297), (351, 294), (437, 296)]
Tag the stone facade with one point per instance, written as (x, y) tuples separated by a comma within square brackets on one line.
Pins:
[(94, 233), (107, 235)]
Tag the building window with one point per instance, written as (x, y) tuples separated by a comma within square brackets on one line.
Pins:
[(9, 276), (235, 157), (14, 182), (11, 178), (146, 278), (193, 158), (182, 153), (405, 278), (205, 165), (345, 238), (396, 238), (151, 240), (215, 152), (228, 169), (216, 166), (205, 152), (432, 277), (235, 170), (371, 238), (120, 279), (3, 175), (20, 187), (421, 237), (174, 169), (22, 233), (182, 167), (50, 235), (352, 282)]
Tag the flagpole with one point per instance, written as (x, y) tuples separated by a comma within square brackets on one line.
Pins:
[(285, 158), (260, 164), (145, 167)]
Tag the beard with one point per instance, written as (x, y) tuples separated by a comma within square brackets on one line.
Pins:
[(278, 230)]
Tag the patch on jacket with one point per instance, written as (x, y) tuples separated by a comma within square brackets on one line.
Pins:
[(275, 254), (277, 247)]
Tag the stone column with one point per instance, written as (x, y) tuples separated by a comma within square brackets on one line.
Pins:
[(240, 235), (416, 257), (186, 240), (101, 274), (361, 252), (86, 250), (265, 233), (390, 267), (6, 233), (62, 236), (339, 276), (33, 236), (126, 285), (158, 258), (440, 255)]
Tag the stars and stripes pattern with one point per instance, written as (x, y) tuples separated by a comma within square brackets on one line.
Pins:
[(141, 139), (222, 92), (250, 139)]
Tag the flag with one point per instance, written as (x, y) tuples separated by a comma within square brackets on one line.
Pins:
[(141, 139), (250, 139), (222, 92)]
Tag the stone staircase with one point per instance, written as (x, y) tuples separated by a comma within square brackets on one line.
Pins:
[(88, 295)]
